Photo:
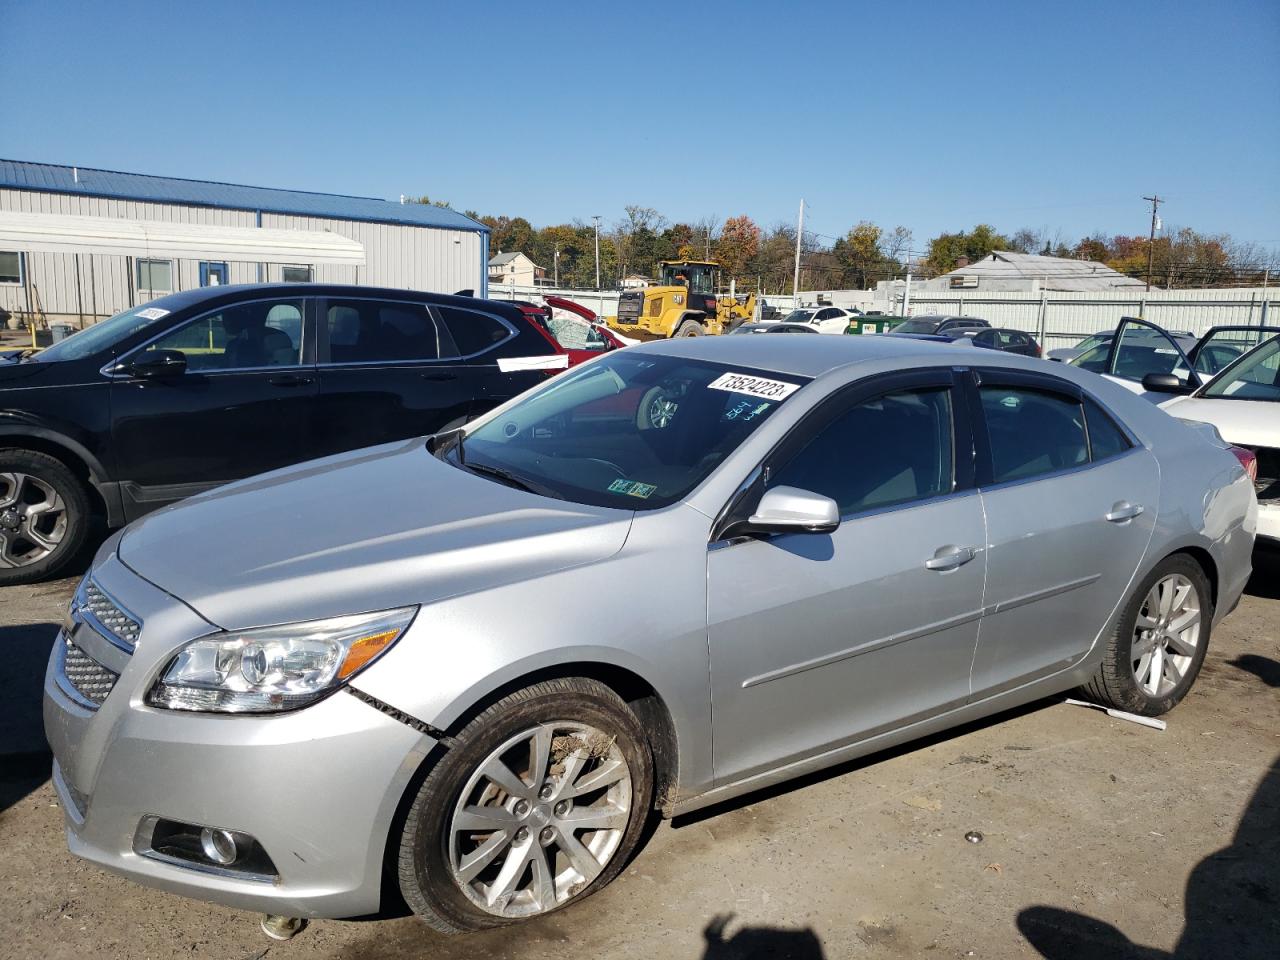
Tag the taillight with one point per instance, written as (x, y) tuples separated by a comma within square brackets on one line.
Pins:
[(1039, 350), (1249, 460)]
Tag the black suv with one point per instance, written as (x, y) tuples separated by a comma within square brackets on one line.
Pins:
[(941, 323), (195, 389)]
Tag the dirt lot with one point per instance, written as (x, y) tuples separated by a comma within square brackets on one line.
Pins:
[(1101, 838)]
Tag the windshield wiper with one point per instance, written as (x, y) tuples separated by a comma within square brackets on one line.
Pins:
[(510, 479)]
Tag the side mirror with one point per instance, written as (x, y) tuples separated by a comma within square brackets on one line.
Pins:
[(792, 510), (1164, 383), (159, 365)]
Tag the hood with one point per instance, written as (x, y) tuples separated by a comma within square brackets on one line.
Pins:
[(560, 303), (1251, 423), (378, 528)]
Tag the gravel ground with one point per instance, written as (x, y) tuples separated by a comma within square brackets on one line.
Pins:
[(1100, 838)]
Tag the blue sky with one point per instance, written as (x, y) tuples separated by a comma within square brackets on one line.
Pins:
[(933, 115)]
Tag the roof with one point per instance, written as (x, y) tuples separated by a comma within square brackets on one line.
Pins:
[(1055, 273), (502, 258), (91, 182)]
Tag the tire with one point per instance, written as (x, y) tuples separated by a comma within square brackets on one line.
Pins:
[(1117, 680), (45, 515), (690, 328), (429, 846)]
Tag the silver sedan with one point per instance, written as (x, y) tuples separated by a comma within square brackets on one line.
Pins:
[(478, 663)]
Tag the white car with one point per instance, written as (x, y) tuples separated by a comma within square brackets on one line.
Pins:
[(1243, 403), (824, 319)]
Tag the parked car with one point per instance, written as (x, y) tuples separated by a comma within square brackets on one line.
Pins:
[(218, 383), (823, 319), (1149, 360), (783, 327), (423, 660), (579, 338), (999, 338), (1243, 403), (938, 324)]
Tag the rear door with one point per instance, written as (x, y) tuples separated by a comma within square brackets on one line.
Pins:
[(244, 405), (1140, 348), (388, 371), (1070, 500)]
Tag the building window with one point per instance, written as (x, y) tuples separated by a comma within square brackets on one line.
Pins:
[(10, 267), (212, 274), (292, 273), (155, 277)]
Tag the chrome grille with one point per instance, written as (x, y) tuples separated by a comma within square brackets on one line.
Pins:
[(90, 679), (95, 604)]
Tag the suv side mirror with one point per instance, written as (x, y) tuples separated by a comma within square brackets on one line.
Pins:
[(159, 365), (792, 510), (1164, 383)]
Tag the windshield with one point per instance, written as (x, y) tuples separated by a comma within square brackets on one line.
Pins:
[(917, 326), (1255, 376), (797, 316), (94, 339), (696, 276), (631, 431)]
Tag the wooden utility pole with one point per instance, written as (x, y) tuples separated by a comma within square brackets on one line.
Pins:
[(795, 283), (1155, 202)]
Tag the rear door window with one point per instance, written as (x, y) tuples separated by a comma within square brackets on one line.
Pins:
[(472, 331), (1032, 432), (375, 331)]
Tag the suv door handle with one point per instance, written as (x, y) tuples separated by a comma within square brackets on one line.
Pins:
[(950, 557), (1123, 511), (439, 376), (289, 380)]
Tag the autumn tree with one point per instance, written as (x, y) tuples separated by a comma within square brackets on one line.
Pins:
[(738, 245), (947, 248)]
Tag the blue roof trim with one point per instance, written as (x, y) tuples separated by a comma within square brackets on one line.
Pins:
[(90, 182)]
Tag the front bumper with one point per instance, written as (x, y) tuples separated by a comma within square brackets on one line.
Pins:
[(317, 788)]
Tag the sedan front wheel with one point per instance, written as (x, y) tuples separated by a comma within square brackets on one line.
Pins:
[(540, 802)]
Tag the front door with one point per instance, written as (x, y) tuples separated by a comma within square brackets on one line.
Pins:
[(388, 372), (243, 406), (821, 640), (1071, 501)]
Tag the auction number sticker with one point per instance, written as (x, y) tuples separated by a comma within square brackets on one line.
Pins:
[(753, 386), (633, 488), (153, 313)]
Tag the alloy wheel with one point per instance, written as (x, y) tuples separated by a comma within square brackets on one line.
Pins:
[(539, 819), (33, 519), (1165, 635)]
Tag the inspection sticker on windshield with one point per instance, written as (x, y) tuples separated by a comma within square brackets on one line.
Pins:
[(153, 313), (632, 488), (753, 386)]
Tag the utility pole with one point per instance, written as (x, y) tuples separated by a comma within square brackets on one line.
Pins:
[(596, 218), (795, 283), (556, 266), (1155, 202), (906, 293)]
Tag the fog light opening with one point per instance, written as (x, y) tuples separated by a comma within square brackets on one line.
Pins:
[(219, 846)]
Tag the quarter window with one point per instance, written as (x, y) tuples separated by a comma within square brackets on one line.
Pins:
[(888, 450), (473, 332), (155, 278), (10, 266), (369, 331), (1032, 432), (1105, 438), (241, 336)]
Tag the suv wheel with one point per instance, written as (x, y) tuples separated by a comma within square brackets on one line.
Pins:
[(44, 515), (541, 802)]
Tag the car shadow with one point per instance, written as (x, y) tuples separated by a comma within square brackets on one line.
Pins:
[(1232, 901), (24, 754), (758, 943), (1264, 668)]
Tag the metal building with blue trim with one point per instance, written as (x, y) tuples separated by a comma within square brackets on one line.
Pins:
[(78, 243)]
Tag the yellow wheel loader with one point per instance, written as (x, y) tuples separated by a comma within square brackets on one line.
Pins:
[(683, 304)]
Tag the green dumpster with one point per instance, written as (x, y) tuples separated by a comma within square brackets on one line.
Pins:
[(874, 324)]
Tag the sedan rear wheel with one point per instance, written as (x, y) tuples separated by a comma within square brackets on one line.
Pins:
[(1154, 651), (540, 802)]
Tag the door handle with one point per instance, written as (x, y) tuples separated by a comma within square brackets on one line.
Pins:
[(440, 376), (289, 380), (950, 557), (1123, 511)]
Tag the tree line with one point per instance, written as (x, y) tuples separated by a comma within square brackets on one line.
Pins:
[(764, 258)]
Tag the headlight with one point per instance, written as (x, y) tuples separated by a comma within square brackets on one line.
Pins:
[(275, 668)]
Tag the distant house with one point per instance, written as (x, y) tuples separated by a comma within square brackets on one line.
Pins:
[(516, 268), (1008, 271), (635, 281)]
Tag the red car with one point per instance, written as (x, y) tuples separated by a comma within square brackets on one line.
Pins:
[(580, 340)]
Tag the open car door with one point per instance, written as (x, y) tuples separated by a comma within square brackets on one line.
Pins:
[(1223, 344)]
